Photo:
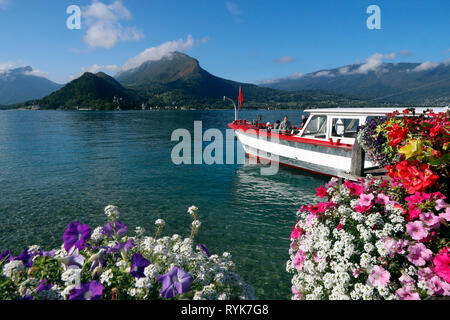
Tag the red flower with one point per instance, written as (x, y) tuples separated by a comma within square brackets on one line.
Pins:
[(321, 192), (397, 134)]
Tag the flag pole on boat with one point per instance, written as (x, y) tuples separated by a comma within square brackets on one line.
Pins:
[(241, 100)]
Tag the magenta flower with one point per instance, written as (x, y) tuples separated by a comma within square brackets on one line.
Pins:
[(419, 254), (176, 280), (406, 293), (76, 235), (87, 291), (442, 264), (321, 192), (379, 277), (416, 230)]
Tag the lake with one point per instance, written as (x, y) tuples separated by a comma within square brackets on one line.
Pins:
[(57, 167)]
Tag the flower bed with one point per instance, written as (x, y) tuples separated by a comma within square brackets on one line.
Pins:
[(414, 149), (381, 238), (109, 264), (371, 241)]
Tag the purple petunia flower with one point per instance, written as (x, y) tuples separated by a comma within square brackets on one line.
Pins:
[(122, 246), (74, 260), (87, 291), (6, 255), (98, 260), (26, 258), (115, 228), (76, 235), (44, 286), (51, 253), (202, 246), (176, 280), (138, 264)]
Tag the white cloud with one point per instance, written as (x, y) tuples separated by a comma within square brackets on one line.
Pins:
[(233, 8), (104, 27), (157, 53), (374, 63), (293, 76), (5, 66), (284, 60), (428, 65), (323, 74), (37, 73)]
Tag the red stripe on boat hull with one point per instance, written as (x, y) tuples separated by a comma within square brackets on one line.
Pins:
[(245, 129)]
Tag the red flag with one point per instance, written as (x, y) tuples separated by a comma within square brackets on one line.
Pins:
[(241, 97)]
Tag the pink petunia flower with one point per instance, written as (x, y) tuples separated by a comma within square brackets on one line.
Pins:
[(406, 280), (365, 199), (406, 293), (416, 230), (440, 204), (379, 277), (445, 215), (419, 254), (299, 259), (425, 274), (383, 199), (435, 284), (296, 293), (356, 272), (442, 264), (430, 219)]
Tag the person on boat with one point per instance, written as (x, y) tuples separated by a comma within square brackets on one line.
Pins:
[(258, 120), (276, 125), (304, 119), (285, 125)]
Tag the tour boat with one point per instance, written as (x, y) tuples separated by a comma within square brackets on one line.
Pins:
[(324, 145)]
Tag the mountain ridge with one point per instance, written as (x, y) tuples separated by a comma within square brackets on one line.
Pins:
[(20, 84), (389, 83)]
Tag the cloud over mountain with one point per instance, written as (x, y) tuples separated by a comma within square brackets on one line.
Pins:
[(104, 25), (158, 52)]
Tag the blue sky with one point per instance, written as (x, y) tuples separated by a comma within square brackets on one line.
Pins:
[(249, 41)]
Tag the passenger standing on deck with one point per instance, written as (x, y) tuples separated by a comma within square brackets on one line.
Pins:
[(285, 124), (304, 119), (276, 126)]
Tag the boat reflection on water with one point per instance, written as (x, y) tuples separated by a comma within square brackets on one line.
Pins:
[(264, 210)]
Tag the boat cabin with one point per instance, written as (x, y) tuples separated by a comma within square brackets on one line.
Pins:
[(341, 125)]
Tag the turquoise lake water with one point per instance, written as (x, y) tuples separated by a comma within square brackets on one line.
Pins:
[(57, 167)]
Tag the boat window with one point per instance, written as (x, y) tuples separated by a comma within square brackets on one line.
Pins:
[(317, 128), (344, 127)]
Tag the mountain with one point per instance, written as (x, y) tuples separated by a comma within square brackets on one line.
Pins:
[(405, 83), (178, 79), (18, 85), (94, 91)]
